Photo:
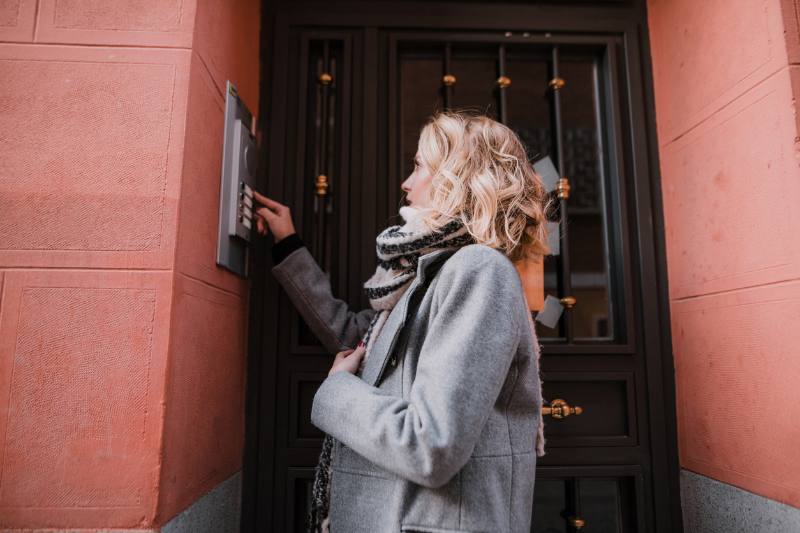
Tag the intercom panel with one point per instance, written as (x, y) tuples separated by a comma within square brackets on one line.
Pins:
[(237, 182)]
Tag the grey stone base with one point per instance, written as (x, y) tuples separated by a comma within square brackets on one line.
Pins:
[(710, 506), (218, 511)]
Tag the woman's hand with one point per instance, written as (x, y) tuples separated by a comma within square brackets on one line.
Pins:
[(275, 216), (348, 360)]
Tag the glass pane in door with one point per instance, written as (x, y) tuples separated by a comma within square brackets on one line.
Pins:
[(600, 504), (420, 96), (529, 113), (586, 213), (475, 69), (549, 503)]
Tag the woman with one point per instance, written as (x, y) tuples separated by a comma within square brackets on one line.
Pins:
[(433, 420)]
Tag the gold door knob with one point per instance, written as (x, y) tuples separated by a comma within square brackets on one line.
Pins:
[(449, 79), (325, 78), (568, 301), (559, 408)]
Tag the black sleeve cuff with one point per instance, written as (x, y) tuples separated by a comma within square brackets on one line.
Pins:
[(285, 246)]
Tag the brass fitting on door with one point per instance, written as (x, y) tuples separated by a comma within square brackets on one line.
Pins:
[(322, 185), (576, 521), (556, 83), (563, 188)]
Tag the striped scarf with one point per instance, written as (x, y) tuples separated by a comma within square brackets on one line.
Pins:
[(398, 248)]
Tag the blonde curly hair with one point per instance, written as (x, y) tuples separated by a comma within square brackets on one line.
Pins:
[(481, 174)]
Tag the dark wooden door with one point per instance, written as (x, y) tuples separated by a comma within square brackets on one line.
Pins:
[(346, 89)]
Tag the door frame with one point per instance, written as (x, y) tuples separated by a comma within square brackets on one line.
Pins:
[(624, 19)]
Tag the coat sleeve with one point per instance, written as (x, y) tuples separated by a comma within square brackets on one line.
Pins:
[(335, 325), (463, 363)]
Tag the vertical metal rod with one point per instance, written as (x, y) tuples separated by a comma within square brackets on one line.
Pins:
[(320, 230), (501, 72), (566, 282), (319, 63), (448, 64), (331, 125), (578, 511), (320, 68), (573, 501), (569, 498), (327, 200), (325, 91)]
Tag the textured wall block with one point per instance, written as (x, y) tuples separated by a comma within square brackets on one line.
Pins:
[(199, 202), (728, 135), (728, 189), (144, 22), (736, 367), (93, 142), (204, 422), (82, 363), (17, 20), (226, 37), (705, 54)]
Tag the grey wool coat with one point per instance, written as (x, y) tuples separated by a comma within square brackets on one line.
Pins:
[(438, 433)]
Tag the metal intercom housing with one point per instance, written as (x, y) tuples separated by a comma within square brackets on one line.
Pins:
[(238, 177)]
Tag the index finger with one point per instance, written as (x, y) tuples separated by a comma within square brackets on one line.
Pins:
[(269, 202)]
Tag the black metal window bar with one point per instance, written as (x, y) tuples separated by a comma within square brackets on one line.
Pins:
[(562, 190), (572, 514), (324, 149)]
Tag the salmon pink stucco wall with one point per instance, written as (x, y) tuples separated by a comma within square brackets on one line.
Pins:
[(122, 344), (726, 81)]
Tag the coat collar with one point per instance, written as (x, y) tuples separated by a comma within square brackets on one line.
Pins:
[(424, 261), (387, 337)]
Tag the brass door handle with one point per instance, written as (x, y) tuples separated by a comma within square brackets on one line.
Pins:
[(559, 408)]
